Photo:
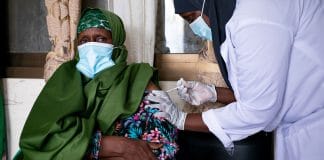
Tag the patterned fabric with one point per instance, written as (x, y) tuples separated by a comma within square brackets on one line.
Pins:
[(143, 125), (62, 20), (93, 18), (94, 148)]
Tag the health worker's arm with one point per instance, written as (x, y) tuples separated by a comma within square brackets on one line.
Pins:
[(225, 95), (259, 68)]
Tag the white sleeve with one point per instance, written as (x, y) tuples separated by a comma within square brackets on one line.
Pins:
[(261, 62)]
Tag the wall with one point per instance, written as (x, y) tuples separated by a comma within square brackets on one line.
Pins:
[(19, 95)]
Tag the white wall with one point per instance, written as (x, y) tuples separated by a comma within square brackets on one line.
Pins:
[(19, 95)]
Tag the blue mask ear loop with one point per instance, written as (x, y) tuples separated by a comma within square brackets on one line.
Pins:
[(202, 10), (118, 47)]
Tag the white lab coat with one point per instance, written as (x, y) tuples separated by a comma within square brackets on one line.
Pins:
[(274, 52)]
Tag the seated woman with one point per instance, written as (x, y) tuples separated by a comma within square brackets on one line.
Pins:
[(93, 107)]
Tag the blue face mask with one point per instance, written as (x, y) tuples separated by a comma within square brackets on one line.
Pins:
[(94, 57), (200, 28)]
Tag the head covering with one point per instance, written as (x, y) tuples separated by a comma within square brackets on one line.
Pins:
[(98, 18), (92, 17), (219, 12), (181, 6)]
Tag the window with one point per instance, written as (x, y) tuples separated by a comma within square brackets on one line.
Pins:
[(173, 33), (27, 27), (28, 40), (174, 36)]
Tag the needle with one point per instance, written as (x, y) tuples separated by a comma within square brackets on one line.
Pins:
[(172, 89)]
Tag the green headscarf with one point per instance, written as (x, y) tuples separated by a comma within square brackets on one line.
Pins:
[(70, 107), (2, 125), (92, 17)]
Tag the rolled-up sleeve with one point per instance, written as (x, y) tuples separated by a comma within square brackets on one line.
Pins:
[(258, 69)]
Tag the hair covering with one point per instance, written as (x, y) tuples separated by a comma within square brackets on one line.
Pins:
[(219, 12), (70, 106), (92, 17)]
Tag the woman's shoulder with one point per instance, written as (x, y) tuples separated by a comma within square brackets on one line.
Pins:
[(265, 11), (151, 86), (140, 65), (145, 67), (65, 70)]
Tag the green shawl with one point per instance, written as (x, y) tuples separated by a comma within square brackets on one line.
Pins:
[(70, 107), (2, 126)]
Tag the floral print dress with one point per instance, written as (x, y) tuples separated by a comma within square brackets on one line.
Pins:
[(145, 126)]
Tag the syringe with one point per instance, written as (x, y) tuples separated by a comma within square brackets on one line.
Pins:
[(172, 89)]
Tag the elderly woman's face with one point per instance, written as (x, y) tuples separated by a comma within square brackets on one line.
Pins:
[(95, 35)]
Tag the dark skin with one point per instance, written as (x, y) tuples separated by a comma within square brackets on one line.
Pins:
[(115, 147), (193, 15), (95, 35), (194, 121)]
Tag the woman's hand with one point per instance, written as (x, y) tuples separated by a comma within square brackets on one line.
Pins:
[(115, 147)]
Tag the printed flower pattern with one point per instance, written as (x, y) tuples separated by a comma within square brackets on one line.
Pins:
[(145, 126)]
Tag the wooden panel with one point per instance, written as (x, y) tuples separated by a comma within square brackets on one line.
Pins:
[(24, 72), (27, 59), (174, 66), (186, 58), (25, 65)]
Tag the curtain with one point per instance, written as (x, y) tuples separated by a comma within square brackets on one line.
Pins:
[(62, 20), (139, 17)]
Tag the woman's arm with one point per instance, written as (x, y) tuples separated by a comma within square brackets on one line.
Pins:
[(117, 147), (152, 86)]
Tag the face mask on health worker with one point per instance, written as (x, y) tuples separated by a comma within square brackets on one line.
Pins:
[(201, 29)]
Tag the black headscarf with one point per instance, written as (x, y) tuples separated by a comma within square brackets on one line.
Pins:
[(219, 12)]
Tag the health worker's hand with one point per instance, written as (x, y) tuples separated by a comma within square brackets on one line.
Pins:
[(168, 109), (196, 93)]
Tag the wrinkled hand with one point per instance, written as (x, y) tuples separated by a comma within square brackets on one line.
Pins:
[(122, 148), (169, 110), (196, 93)]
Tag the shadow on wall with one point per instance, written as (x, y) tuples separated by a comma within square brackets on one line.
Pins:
[(4, 45)]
